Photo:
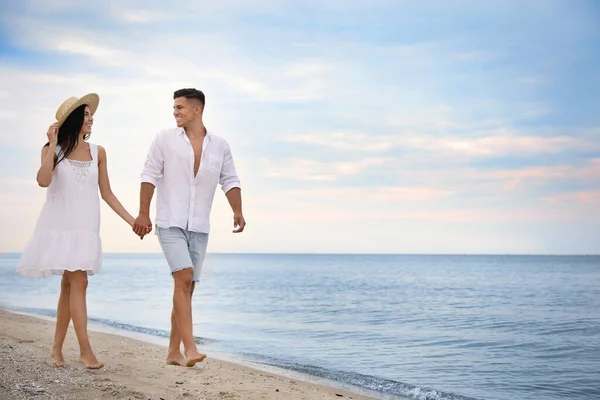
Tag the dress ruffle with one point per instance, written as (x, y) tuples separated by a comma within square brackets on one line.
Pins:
[(52, 252)]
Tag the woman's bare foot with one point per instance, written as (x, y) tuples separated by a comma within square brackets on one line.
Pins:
[(90, 361), (193, 358), (175, 358), (58, 358)]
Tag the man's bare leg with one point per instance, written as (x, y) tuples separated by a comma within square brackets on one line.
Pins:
[(78, 281), (63, 317), (182, 305), (175, 357)]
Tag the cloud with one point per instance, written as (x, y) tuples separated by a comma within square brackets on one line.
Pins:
[(108, 56), (480, 215), (312, 170), (377, 195), (502, 144), (535, 110), (586, 197), (344, 141), (469, 180), (142, 16), (481, 144)]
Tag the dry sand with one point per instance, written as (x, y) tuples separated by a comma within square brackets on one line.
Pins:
[(133, 370)]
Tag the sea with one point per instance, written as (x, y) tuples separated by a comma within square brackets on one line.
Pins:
[(435, 327)]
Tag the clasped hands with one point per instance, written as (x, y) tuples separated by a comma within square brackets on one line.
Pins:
[(142, 225)]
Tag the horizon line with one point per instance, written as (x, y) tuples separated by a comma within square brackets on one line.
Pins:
[(353, 253)]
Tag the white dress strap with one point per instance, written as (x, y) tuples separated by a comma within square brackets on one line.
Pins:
[(94, 151)]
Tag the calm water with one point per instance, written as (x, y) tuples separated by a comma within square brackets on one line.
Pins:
[(422, 327)]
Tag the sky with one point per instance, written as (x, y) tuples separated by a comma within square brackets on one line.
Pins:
[(378, 126)]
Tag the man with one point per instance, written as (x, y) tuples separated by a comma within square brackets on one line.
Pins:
[(186, 164)]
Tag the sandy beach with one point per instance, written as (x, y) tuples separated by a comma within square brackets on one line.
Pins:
[(133, 370)]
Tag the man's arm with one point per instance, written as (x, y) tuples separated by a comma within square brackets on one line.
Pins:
[(234, 196), (142, 224), (146, 194), (230, 183), (151, 175)]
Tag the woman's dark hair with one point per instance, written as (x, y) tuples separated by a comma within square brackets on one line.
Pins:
[(68, 133)]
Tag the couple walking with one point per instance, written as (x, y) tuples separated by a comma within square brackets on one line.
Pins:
[(185, 164)]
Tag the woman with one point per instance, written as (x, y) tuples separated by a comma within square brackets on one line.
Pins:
[(66, 239)]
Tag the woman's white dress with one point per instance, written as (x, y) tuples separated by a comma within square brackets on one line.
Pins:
[(67, 233)]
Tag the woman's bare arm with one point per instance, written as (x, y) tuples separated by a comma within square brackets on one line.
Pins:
[(44, 175), (106, 192)]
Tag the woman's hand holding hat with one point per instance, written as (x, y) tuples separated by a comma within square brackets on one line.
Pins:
[(53, 133)]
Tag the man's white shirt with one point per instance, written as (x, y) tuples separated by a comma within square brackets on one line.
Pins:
[(185, 200)]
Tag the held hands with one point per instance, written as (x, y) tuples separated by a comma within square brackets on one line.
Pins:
[(53, 133), (142, 225), (238, 222)]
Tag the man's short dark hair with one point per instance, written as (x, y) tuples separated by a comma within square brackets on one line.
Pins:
[(190, 94)]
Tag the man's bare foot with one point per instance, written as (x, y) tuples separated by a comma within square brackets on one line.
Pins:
[(175, 358), (58, 358), (90, 361), (193, 358)]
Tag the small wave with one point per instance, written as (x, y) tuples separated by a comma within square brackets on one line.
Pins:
[(387, 387)]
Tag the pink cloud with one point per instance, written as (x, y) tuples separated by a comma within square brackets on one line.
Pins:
[(484, 143), (469, 215), (495, 181), (344, 141), (312, 170), (500, 142), (587, 197), (344, 196)]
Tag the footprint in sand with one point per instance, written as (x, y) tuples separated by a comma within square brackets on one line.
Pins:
[(135, 394)]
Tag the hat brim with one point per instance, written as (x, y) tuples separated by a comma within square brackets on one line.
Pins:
[(91, 100)]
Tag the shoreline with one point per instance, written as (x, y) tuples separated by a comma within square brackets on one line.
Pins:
[(136, 369)]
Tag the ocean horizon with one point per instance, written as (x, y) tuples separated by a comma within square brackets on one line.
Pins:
[(266, 253), (405, 326)]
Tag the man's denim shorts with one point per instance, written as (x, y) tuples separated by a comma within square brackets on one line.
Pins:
[(183, 248)]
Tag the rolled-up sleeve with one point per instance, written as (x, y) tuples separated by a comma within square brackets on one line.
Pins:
[(153, 167), (228, 178)]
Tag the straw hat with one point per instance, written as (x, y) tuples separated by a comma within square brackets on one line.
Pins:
[(70, 104)]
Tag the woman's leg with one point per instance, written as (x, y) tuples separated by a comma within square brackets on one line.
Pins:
[(78, 281), (63, 317)]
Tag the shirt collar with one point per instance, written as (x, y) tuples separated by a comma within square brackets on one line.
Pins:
[(181, 131)]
